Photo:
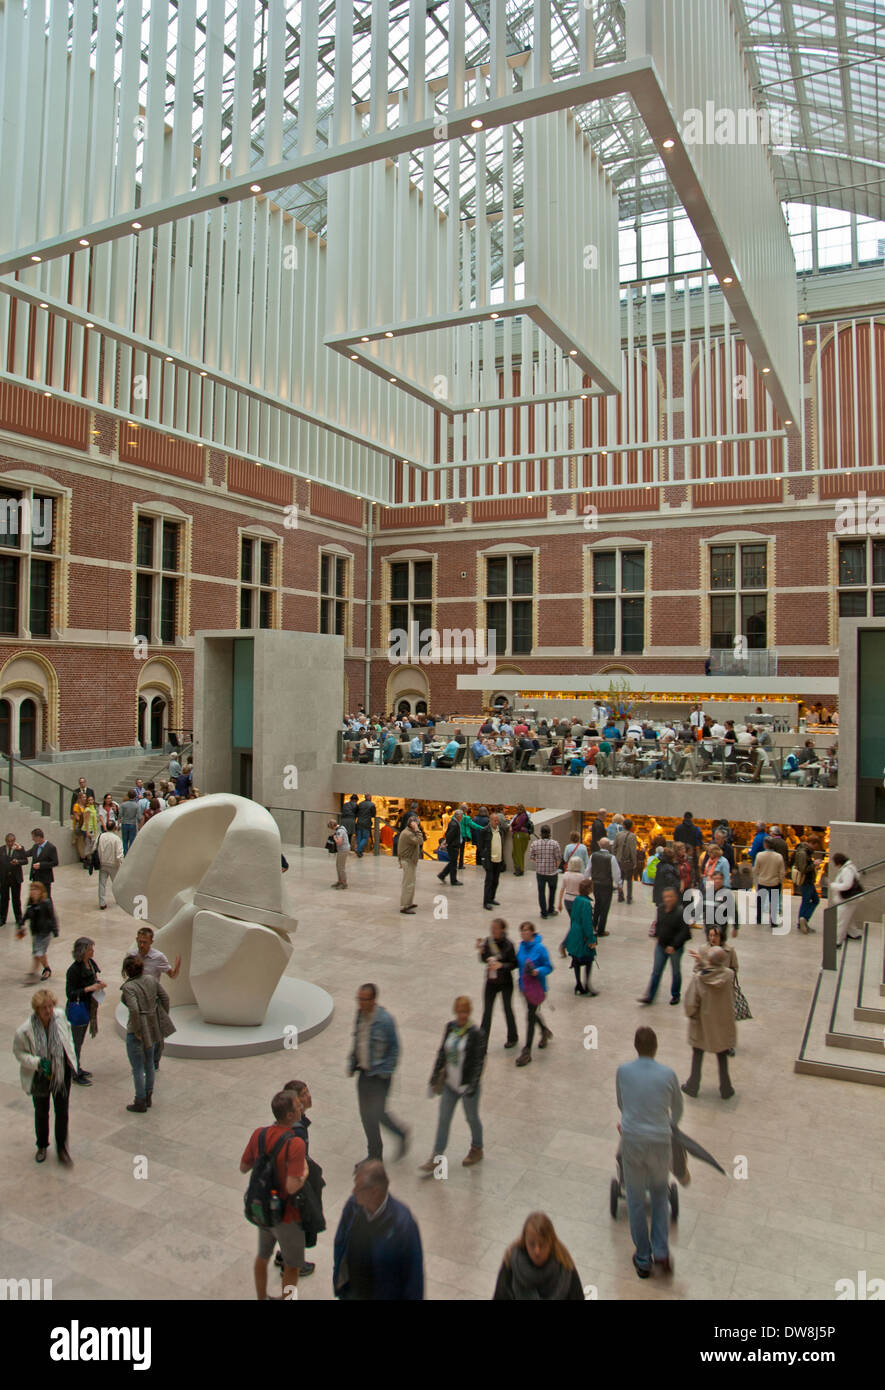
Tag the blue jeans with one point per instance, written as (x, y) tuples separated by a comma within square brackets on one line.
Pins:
[(660, 962), (141, 1060), (128, 836), (646, 1167), (362, 838), (809, 900), (448, 1102)]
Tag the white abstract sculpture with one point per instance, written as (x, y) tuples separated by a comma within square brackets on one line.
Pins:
[(206, 874)]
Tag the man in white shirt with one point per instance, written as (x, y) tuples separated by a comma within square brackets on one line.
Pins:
[(156, 964), (718, 730), (342, 850), (696, 719)]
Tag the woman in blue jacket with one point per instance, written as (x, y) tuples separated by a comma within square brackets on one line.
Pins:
[(534, 967)]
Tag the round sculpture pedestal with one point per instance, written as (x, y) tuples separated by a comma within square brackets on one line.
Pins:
[(294, 1002)]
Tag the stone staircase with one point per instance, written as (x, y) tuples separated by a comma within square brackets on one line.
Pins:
[(845, 1033), (149, 771)]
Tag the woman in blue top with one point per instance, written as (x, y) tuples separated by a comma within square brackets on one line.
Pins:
[(534, 967)]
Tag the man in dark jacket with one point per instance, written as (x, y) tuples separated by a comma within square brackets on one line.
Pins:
[(779, 843), (365, 819), (671, 933), (597, 831), (606, 875), (12, 857), (490, 856), (44, 858), (453, 849), (378, 1256), (688, 832)]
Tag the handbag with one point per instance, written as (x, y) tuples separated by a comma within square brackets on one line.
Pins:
[(741, 1007), (77, 1012), (331, 845), (533, 989)]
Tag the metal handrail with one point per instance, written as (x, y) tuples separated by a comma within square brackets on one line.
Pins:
[(864, 869), (831, 923), (63, 791)]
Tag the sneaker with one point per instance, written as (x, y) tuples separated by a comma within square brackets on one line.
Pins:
[(474, 1155)]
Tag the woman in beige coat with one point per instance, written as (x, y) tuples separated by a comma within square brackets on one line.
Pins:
[(709, 1003)]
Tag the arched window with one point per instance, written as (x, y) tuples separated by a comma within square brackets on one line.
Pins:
[(158, 721), (27, 729), (5, 727)]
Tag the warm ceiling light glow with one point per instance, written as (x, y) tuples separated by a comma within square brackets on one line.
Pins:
[(255, 188), (494, 316), (476, 123), (204, 373), (35, 258), (90, 325), (168, 359), (728, 280), (84, 241), (392, 379), (583, 398), (476, 410), (47, 393), (788, 422), (669, 144), (364, 340), (573, 352), (354, 356), (765, 371), (44, 305), (136, 226), (803, 318), (388, 334)]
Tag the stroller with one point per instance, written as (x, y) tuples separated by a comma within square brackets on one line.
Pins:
[(678, 1167)]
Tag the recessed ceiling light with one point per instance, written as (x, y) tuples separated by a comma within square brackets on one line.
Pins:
[(168, 359), (136, 226), (476, 410), (393, 379), (476, 123), (90, 325), (765, 371), (84, 241), (494, 316), (47, 393), (354, 356), (718, 443), (255, 188), (44, 305), (669, 144), (573, 352), (364, 340), (204, 373), (788, 422), (36, 258), (803, 318), (388, 334), (728, 280)]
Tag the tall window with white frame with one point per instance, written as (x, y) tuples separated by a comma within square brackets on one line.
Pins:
[(862, 578), (28, 562), (739, 595), (618, 602), (158, 578), (334, 593), (510, 588), (411, 601), (257, 582)]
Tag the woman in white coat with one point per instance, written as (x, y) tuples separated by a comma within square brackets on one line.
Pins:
[(44, 1047), (845, 886)]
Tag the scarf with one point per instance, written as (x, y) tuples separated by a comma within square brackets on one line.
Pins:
[(48, 1043), (549, 1282)]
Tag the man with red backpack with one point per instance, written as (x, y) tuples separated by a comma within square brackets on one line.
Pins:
[(277, 1161)]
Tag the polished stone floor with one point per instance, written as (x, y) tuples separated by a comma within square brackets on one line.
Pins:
[(810, 1211)]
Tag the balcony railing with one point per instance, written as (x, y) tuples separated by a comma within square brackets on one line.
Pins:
[(737, 661), (682, 763)]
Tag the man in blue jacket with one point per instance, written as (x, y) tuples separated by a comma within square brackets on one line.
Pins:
[(378, 1253), (373, 1056)]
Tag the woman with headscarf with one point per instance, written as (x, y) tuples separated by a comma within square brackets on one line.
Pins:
[(580, 943), (709, 1003), (47, 1060), (537, 1267), (82, 983)]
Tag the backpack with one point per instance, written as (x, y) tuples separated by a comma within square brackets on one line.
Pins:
[(651, 869), (263, 1204)]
